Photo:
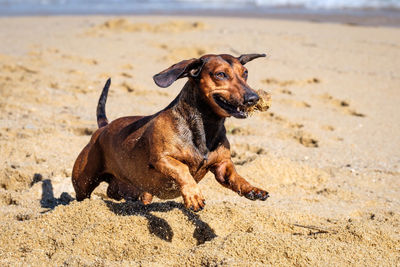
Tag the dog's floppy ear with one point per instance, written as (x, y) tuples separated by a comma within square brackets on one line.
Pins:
[(249, 57), (191, 67)]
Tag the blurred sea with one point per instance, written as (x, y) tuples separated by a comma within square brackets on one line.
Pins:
[(382, 12)]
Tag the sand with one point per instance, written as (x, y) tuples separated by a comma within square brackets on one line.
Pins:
[(328, 149)]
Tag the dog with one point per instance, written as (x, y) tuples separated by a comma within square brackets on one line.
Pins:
[(166, 154)]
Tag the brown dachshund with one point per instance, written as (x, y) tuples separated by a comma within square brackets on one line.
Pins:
[(168, 153)]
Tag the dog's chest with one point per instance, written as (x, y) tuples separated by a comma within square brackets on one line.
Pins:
[(200, 163), (198, 139)]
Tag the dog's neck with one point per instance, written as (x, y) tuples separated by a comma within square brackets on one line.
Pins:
[(207, 127)]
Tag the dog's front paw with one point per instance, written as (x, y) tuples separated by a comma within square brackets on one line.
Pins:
[(256, 194), (193, 198)]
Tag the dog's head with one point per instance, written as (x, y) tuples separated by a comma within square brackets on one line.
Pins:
[(221, 79)]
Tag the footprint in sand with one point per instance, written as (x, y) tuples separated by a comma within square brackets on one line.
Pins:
[(57, 53), (236, 130), (293, 131), (126, 75), (273, 81), (128, 87), (136, 90), (13, 68), (245, 153), (80, 59), (84, 131), (328, 128), (271, 116), (286, 92), (287, 83), (127, 66), (304, 138), (340, 105)]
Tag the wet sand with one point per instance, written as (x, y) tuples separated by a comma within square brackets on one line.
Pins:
[(327, 150)]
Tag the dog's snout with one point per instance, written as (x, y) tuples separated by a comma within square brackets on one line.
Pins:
[(250, 99)]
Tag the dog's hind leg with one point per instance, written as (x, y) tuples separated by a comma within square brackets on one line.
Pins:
[(113, 189), (86, 174), (121, 190), (118, 190)]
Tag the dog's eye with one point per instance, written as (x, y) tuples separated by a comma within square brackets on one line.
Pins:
[(221, 75), (245, 74)]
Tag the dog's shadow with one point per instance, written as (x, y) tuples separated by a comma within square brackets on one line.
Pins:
[(48, 201), (158, 226)]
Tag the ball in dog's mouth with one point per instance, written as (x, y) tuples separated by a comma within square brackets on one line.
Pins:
[(263, 104)]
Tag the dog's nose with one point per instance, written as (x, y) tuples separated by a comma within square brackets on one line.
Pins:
[(251, 99)]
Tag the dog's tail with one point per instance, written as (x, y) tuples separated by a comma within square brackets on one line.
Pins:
[(101, 106)]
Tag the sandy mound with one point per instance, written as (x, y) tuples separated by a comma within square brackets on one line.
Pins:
[(230, 231)]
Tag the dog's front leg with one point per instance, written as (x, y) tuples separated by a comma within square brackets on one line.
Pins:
[(227, 176), (178, 171)]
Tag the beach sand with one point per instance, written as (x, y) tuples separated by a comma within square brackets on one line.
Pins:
[(328, 150)]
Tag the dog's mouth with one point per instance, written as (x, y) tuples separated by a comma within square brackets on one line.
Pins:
[(237, 111)]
